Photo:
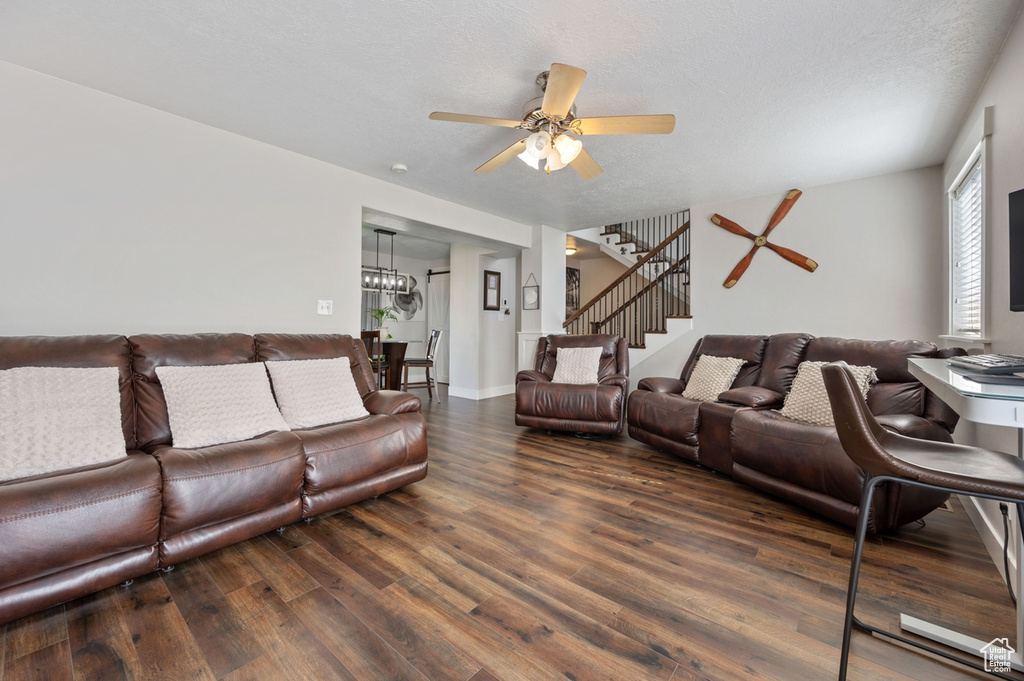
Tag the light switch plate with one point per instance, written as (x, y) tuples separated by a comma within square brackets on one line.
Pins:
[(325, 307)]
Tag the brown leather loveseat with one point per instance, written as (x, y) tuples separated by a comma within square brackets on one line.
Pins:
[(72, 532), (742, 433), (597, 408)]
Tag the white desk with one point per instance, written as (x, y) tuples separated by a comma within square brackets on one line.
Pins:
[(992, 404)]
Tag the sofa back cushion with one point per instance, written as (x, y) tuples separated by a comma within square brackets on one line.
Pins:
[(748, 348), (782, 355), (271, 347), (897, 391), (151, 351), (78, 351), (614, 353)]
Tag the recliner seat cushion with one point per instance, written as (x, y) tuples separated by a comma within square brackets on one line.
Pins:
[(590, 402)]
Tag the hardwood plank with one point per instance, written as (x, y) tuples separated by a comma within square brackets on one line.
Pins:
[(483, 675), (229, 569), (509, 663), (430, 653), (563, 650), (50, 663), (35, 632), (362, 561), (101, 645), (289, 644), (163, 643), (275, 568), (350, 640), (290, 537), (211, 619), (260, 669)]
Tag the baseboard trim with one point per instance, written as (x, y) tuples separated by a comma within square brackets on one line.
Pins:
[(481, 394)]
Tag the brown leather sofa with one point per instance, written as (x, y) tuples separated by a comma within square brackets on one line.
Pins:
[(743, 435), (595, 408), (73, 532)]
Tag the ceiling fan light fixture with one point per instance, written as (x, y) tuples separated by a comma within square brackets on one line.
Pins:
[(568, 148), (555, 161), (538, 144), (535, 163)]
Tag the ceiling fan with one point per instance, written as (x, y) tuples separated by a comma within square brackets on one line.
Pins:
[(552, 122)]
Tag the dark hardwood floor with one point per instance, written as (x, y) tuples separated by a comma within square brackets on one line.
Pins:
[(530, 556)]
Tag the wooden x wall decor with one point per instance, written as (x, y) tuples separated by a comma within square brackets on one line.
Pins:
[(762, 240)]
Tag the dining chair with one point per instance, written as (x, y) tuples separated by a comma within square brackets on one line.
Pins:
[(427, 363), (885, 456), (375, 350)]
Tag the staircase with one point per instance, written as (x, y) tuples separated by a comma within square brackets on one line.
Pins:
[(655, 288)]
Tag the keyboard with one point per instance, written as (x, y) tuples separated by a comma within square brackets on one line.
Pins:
[(990, 364)]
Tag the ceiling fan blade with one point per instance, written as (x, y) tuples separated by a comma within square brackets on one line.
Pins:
[(504, 156), (740, 268), (782, 210), (585, 165), (655, 124), (794, 257), (564, 82), (468, 118), (730, 226)]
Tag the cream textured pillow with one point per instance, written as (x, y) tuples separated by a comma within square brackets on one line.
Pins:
[(577, 365), (209, 405), (57, 418), (711, 376), (312, 392), (808, 400)]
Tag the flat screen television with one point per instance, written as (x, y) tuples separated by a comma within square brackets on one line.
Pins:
[(1017, 251)]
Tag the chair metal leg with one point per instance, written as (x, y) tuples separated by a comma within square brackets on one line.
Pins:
[(851, 621), (858, 554)]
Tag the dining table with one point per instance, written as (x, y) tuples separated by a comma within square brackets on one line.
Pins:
[(394, 350)]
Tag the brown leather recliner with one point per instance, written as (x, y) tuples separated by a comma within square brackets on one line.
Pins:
[(743, 435), (596, 408)]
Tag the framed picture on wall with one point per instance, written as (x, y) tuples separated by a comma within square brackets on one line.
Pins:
[(492, 290)]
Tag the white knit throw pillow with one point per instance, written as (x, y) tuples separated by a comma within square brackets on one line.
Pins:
[(711, 376), (55, 418), (577, 365), (209, 405), (808, 400), (312, 392)]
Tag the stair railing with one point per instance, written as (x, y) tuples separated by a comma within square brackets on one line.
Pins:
[(652, 290)]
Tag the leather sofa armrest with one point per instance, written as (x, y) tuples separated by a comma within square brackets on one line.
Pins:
[(915, 426), (615, 379), (391, 402), (531, 375), (658, 384), (752, 396)]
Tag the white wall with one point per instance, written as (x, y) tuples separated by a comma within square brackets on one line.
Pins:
[(118, 218), (878, 244), (1004, 174), (595, 274), (121, 218)]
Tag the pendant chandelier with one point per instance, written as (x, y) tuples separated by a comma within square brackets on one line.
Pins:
[(381, 279)]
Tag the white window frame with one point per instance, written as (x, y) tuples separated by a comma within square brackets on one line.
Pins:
[(975, 163)]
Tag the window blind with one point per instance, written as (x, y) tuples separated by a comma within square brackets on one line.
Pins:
[(966, 251)]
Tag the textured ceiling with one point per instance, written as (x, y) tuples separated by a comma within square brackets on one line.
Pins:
[(767, 95)]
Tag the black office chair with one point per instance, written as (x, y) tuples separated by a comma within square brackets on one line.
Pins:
[(889, 457)]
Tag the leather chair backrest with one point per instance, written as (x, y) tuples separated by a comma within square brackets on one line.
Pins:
[(152, 427), (78, 351), (782, 355), (748, 348), (614, 352), (897, 391)]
